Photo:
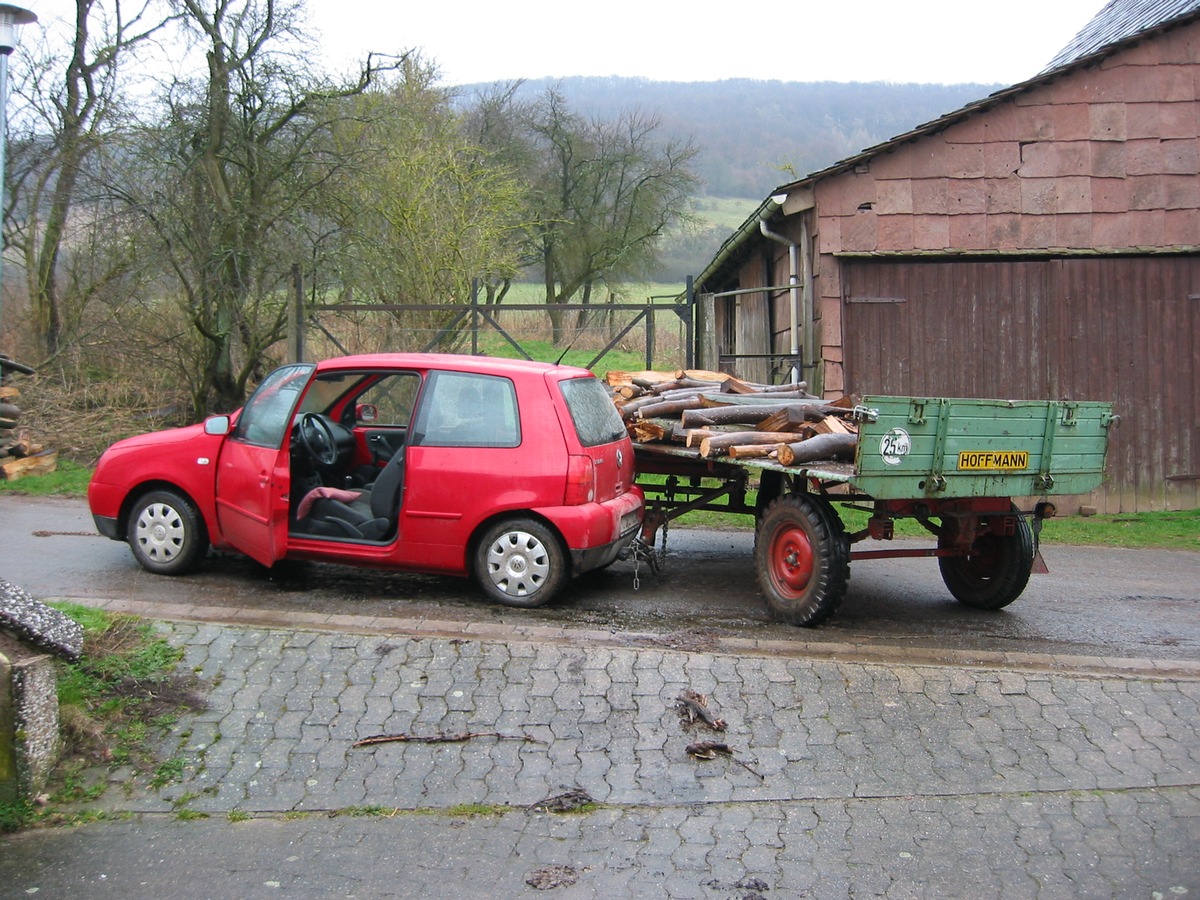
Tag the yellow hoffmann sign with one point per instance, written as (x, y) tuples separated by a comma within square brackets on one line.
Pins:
[(993, 459)]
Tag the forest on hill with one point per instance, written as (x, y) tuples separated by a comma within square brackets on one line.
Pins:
[(756, 135)]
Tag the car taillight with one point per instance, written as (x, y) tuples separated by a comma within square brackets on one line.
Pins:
[(581, 481)]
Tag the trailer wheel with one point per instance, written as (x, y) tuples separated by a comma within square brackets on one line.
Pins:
[(995, 571), (803, 559)]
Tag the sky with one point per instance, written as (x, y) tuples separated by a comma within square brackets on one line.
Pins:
[(927, 41)]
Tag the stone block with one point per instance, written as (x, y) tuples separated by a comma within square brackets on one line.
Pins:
[(1004, 231), (1181, 227), (1003, 195), (931, 232), (38, 624), (1106, 160), (1106, 122), (930, 196), (1039, 196), (1037, 232), (1143, 120), (1181, 157), (968, 232), (1110, 195), (1144, 157), (895, 232), (29, 740), (1073, 230), (1146, 192), (1074, 195), (859, 232), (1178, 119), (894, 197)]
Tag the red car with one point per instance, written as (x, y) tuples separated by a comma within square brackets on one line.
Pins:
[(517, 473)]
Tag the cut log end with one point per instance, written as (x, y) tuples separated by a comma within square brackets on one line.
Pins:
[(26, 466)]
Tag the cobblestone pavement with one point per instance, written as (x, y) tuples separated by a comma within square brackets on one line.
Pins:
[(846, 778)]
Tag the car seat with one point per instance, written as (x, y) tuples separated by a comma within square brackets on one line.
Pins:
[(371, 517)]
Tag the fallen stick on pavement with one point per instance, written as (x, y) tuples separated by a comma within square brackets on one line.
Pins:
[(440, 738), (710, 749)]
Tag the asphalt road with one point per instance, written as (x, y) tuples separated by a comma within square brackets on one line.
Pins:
[(1094, 602)]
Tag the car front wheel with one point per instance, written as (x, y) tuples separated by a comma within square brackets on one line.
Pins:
[(166, 533), (520, 562)]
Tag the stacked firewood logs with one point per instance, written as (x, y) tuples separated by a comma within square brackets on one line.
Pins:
[(20, 455), (720, 415)]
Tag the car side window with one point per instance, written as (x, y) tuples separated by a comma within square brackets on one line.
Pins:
[(391, 399), (462, 409), (267, 416)]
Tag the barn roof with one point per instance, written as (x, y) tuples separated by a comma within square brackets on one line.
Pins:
[(1119, 21), (1118, 25)]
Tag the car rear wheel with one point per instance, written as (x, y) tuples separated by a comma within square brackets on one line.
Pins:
[(520, 562), (166, 533)]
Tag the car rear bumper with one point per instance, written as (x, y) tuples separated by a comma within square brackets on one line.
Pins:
[(598, 557), (596, 533)]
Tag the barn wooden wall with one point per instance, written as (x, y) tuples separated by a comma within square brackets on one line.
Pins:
[(1121, 329)]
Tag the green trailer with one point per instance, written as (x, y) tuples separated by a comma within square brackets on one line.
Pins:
[(956, 466)]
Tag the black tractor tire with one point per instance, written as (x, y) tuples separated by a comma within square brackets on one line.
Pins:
[(996, 570), (802, 557)]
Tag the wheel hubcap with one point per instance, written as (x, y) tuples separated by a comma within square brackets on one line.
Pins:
[(160, 532), (518, 563)]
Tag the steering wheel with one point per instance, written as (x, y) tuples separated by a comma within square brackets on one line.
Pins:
[(317, 436)]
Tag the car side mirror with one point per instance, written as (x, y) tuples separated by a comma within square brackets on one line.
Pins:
[(366, 412), (217, 425)]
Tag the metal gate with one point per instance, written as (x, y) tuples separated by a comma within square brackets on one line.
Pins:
[(473, 320)]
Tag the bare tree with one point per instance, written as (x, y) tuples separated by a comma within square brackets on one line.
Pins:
[(606, 192), (70, 112), (230, 173)]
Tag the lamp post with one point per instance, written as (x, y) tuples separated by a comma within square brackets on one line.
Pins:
[(10, 18)]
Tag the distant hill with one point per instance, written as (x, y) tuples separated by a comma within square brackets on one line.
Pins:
[(755, 135)]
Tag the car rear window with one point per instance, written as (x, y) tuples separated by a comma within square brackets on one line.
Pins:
[(593, 412)]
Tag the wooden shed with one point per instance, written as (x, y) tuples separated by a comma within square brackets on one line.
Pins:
[(1043, 242)]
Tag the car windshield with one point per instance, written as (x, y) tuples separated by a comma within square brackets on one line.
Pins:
[(593, 412), (268, 413)]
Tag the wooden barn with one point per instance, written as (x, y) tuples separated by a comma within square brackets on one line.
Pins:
[(1043, 242)]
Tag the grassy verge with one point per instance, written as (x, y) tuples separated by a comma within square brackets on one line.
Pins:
[(69, 479), (112, 702)]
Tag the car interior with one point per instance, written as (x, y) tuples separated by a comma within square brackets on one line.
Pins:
[(347, 456)]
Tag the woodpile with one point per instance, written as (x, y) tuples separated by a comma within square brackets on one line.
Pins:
[(20, 455), (722, 416)]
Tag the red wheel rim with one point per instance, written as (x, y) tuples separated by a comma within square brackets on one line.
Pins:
[(792, 559)]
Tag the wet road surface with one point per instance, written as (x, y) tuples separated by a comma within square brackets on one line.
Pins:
[(1095, 601)]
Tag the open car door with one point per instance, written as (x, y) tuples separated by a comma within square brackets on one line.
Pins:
[(253, 473)]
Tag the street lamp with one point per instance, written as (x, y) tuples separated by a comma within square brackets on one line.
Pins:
[(10, 18)]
